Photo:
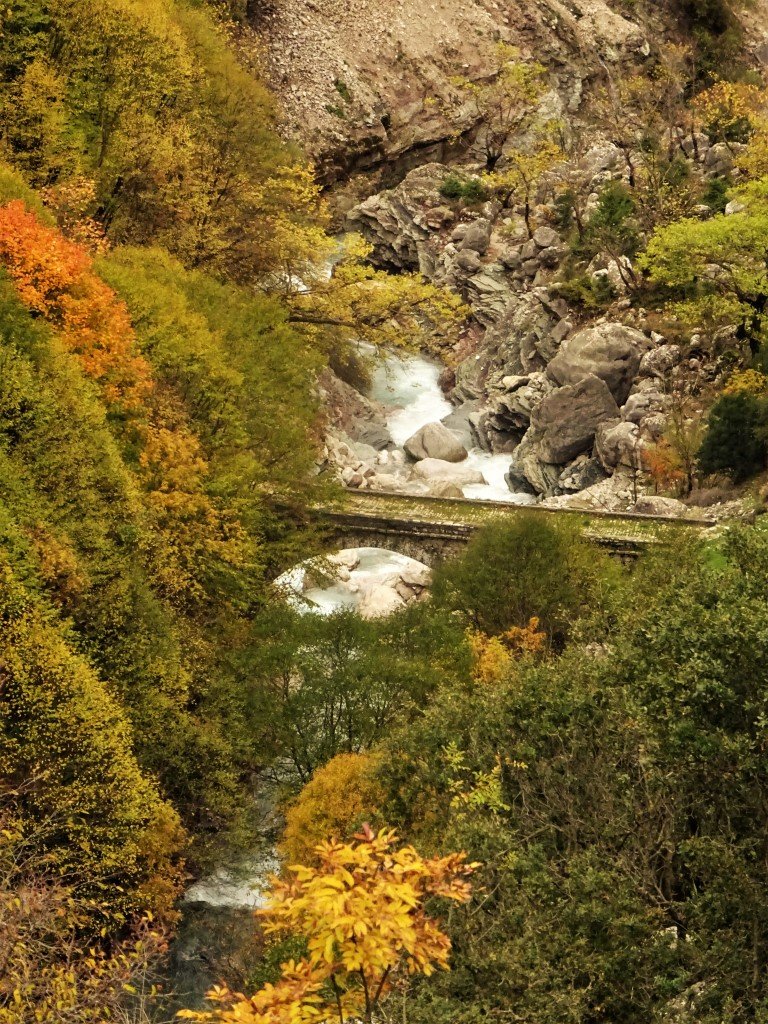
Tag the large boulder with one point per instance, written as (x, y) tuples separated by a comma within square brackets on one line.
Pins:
[(477, 236), (521, 341), (398, 222), (435, 441), (444, 489), (566, 420), (610, 351), (656, 505), (433, 470), (379, 601), (460, 423), (619, 444)]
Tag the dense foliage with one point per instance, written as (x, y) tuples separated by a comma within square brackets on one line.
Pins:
[(614, 795)]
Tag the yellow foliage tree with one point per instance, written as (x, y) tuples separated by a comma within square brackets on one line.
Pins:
[(729, 108), (493, 654), (523, 170), (363, 915), (507, 104), (357, 302), (338, 797)]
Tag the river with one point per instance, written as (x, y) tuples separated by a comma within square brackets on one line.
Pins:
[(408, 385), (218, 911)]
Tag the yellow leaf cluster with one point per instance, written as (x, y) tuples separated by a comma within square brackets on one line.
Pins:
[(362, 913), (747, 382), (493, 654)]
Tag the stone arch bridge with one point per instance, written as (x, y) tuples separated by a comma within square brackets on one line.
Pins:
[(434, 529)]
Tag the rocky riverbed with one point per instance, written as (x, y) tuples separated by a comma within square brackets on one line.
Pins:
[(545, 401)]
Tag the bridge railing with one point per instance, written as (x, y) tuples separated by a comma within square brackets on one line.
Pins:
[(442, 506)]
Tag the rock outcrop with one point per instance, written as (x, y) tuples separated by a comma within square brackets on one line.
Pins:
[(364, 85), (435, 441), (611, 351)]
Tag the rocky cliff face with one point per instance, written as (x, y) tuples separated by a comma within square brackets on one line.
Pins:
[(574, 397), (362, 81)]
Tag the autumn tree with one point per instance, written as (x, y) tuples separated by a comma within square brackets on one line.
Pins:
[(507, 105), (63, 955), (523, 169), (317, 686), (493, 655), (514, 572), (729, 111), (353, 301), (720, 263), (672, 460), (643, 112), (363, 915), (339, 797), (55, 278)]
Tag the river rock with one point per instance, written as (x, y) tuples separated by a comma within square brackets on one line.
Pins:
[(361, 420), (435, 441), (349, 559), (518, 482), (434, 470), (460, 423), (444, 489), (385, 482), (416, 576), (566, 420), (656, 505), (379, 601), (610, 351)]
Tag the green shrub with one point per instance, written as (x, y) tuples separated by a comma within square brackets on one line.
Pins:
[(471, 190), (588, 292), (343, 90), (716, 194), (534, 565)]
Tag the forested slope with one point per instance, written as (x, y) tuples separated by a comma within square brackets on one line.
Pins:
[(156, 437), (592, 737)]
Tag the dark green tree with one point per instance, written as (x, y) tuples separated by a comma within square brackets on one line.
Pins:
[(734, 443), (533, 565)]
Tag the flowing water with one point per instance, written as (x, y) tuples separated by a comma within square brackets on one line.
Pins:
[(217, 920), (409, 386), (368, 569)]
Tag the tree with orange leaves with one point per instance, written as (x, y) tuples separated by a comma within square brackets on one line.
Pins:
[(362, 913), (493, 654), (55, 278)]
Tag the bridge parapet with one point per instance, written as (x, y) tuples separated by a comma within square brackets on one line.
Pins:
[(433, 529)]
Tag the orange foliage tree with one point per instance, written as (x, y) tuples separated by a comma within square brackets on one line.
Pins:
[(54, 277), (199, 543), (363, 915)]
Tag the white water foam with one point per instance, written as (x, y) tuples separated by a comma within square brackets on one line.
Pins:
[(409, 385)]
